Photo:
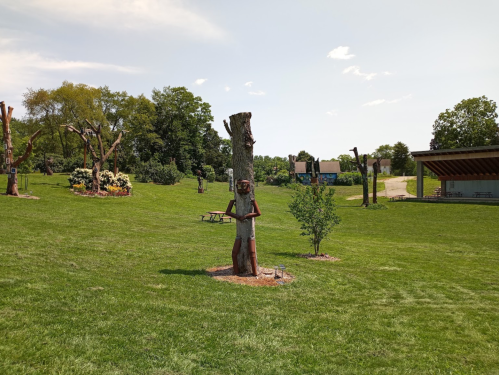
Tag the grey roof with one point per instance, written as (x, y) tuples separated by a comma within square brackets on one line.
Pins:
[(456, 150), (325, 167), (384, 162)]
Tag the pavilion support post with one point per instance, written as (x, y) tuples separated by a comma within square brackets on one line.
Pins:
[(420, 178), (443, 188)]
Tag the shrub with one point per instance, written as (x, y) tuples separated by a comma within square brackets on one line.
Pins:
[(344, 180), (123, 181), (155, 172), (106, 179), (209, 173), (80, 188), (282, 177), (81, 176)]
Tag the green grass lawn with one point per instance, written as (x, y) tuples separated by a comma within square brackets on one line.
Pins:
[(429, 186), (117, 286)]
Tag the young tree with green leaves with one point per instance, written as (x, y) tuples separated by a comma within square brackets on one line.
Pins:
[(402, 162), (315, 209)]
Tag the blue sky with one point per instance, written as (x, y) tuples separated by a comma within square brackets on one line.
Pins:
[(321, 76)]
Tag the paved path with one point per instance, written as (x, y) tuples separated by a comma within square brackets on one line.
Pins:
[(393, 186)]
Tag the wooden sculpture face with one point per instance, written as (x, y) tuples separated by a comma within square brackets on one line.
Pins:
[(243, 186)]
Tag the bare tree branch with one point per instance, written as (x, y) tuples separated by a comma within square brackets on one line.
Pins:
[(227, 128), (28, 149), (74, 130), (112, 148)]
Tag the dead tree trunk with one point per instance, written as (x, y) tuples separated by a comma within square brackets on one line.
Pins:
[(98, 162), (292, 168), (363, 171), (9, 150), (376, 169), (242, 163)]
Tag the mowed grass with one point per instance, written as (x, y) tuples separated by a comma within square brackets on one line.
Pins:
[(118, 286), (429, 186)]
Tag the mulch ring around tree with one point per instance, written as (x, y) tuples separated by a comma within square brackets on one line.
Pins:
[(321, 256), (266, 277)]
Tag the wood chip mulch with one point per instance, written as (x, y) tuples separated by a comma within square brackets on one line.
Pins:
[(266, 277), (322, 256), (24, 196)]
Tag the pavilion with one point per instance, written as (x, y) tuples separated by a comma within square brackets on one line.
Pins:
[(471, 172)]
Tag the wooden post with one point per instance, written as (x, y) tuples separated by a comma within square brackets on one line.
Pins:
[(242, 163), (9, 150)]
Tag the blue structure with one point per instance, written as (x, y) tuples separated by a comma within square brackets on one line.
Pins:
[(329, 171)]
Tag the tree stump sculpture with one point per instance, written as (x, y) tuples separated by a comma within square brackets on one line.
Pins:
[(376, 169), (244, 257), (98, 162), (9, 150), (292, 168), (363, 171), (48, 163), (200, 182)]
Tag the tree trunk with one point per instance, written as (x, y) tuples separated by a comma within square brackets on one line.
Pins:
[(48, 163), (9, 150), (376, 168), (96, 177), (363, 171), (242, 162)]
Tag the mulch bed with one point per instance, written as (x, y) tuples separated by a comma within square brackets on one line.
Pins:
[(266, 277), (322, 256)]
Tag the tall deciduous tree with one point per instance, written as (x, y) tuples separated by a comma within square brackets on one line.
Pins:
[(471, 123), (303, 156), (383, 152), (181, 121), (8, 147), (402, 162)]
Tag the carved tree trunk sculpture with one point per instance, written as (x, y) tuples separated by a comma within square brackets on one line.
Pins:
[(9, 150), (242, 163), (292, 167), (363, 171), (48, 163), (376, 169), (98, 161)]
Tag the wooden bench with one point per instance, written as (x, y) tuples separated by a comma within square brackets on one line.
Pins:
[(397, 198), (203, 216), (226, 218)]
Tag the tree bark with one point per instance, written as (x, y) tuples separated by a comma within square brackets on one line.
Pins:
[(242, 162), (363, 171), (376, 169), (48, 163), (9, 150)]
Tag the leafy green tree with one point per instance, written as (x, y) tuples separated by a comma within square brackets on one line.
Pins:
[(181, 121), (402, 160), (315, 209), (345, 162), (383, 152), (303, 156), (471, 123)]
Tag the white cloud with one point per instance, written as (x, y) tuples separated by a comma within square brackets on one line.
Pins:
[(227, 88), (200, 81), (122, 14), (375, 102), (248, 84), (340, 53), (355, 70), (17, 61), (387, 73), (381, 101), (333, 112), (260, 92)]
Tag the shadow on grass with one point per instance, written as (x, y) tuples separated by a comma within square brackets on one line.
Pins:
[(183, 272)]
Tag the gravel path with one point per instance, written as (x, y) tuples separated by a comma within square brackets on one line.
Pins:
[(393, 186)]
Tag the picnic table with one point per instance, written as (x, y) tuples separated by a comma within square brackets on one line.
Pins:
[(397, 198), (484, 194), (213, 216), (451, 194)]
